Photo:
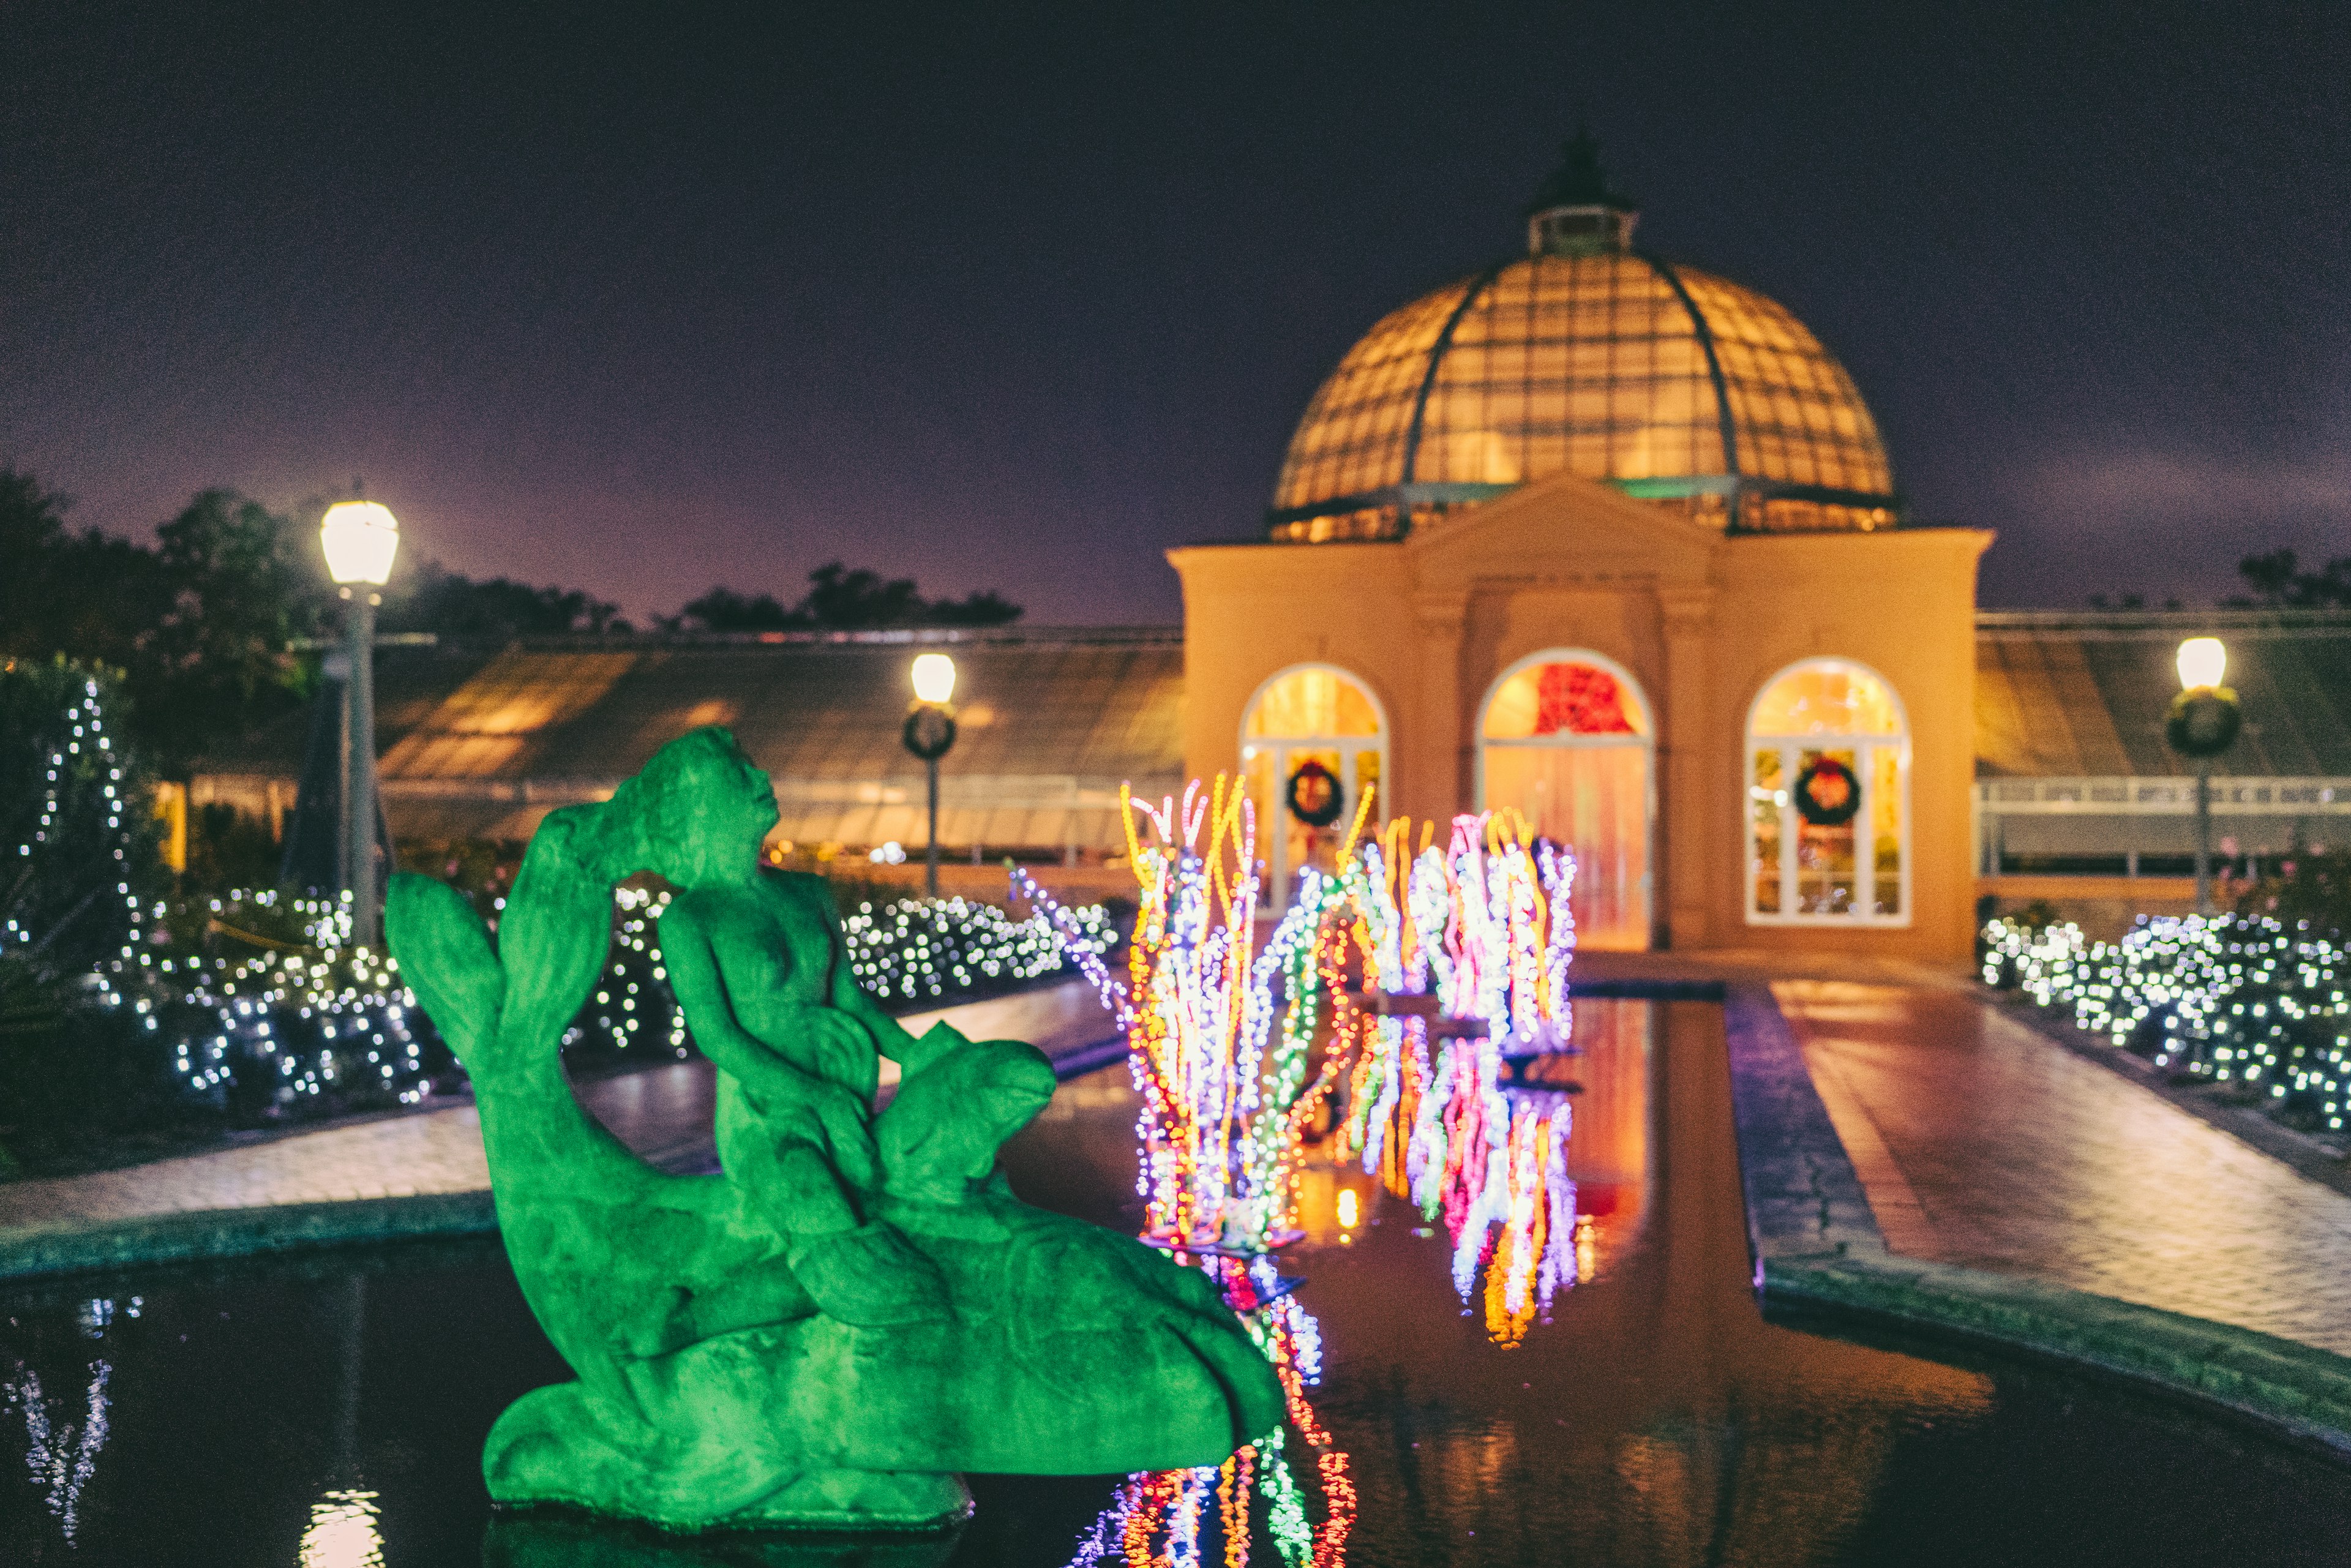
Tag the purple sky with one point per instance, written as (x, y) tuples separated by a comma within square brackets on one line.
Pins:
[(1015, 297)]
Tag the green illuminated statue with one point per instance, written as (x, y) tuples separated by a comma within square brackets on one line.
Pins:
[(857, 1309)]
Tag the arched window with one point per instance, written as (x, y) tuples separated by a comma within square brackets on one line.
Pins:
[(1828, 798), (1566, 738), (1313, 741)]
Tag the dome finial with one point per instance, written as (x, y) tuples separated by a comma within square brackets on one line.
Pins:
[(1576, 211)]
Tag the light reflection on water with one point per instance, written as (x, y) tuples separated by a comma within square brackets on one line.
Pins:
[(1485, 1148), (1213, 1513), (343, 1532), (252, 1418), (62, 1454), (1535, 1162)]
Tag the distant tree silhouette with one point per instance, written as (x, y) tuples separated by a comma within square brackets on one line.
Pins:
[(724, 610), (87, 595), (985, 608), (841, 599), (199, 624), (2278, 580), (451, 604)]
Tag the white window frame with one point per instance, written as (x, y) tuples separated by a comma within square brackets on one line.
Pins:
[(1274, 841), (1630, 684), (1864, 748)]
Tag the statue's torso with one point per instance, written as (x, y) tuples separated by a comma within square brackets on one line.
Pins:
[(778, 956)]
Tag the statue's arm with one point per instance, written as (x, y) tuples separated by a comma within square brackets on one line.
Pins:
[(890, 1037), (700, 986)]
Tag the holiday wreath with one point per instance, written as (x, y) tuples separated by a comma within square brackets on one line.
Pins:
[(1827, 794)]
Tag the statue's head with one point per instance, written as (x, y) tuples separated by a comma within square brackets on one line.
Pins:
[(696, 813)]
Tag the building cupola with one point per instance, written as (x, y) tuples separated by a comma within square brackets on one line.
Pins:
[(1575, 212)]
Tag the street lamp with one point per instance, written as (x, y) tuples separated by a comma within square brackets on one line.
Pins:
[(930, 731), (361, 538), (2202, 724)]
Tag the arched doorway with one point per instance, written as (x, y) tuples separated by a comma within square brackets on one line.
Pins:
[(1566, 738), (1313, 739), (1828, 798)]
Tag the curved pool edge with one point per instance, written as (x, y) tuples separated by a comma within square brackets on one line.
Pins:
[(44, 1252), (2299, 1390), (1818, 1252)]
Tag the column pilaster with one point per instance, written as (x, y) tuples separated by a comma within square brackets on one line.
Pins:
[(1684, 898), (1436, 764)]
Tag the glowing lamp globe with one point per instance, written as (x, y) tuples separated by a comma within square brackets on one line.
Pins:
[(360, 539), (2202, 662), (934, 678)]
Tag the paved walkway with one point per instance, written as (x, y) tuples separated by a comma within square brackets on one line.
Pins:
[(1981, 1142), (1978, 1142), (662, 1113)]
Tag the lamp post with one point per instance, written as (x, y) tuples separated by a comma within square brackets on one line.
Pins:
[(930, 731), (2202, 724), (360, 539)]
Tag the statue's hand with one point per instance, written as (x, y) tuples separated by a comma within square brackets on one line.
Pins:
[(846, 1053), (870, 1277), (443, 951)]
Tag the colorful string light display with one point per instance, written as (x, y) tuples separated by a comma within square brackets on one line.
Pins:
[(1226, 1097), (1435, 984), (1463, 956), (1156, 1519), (1227, 1102), (2236, 998)]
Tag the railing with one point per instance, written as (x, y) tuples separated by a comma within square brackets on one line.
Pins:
[(2169, 795), (2166, 796)]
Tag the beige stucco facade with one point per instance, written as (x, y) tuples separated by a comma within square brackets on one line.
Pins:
[(1699, 620)]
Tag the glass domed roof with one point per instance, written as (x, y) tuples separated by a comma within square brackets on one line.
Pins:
[(1586, 357)]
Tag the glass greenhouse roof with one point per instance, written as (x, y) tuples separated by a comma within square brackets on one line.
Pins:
[(1673, 384)]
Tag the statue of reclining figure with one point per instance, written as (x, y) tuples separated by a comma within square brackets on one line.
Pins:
[(857, 1309)]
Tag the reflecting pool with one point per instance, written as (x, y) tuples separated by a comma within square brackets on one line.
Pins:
[(329, 1411)]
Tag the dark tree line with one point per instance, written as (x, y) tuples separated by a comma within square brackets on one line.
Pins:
[(2279, 581), (431, 598), (205, 625), (842, 600), (199, 624)]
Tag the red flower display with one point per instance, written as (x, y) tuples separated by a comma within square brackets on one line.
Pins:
[(1579, 699)]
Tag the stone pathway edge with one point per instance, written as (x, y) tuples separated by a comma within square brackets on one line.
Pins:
[(206, 1234), (44, 1251), (1818, 1254)]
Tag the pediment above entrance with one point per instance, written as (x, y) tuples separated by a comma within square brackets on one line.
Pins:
[(1565, 530)]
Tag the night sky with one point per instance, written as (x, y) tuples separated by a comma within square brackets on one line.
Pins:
[(1016, 297)]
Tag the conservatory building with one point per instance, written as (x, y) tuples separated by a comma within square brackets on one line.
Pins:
[(1613, 542), (1588, 534)]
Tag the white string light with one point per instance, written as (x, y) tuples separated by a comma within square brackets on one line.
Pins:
[(2234, 999)]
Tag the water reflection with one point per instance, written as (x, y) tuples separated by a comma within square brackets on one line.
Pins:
[(566, 1541), (343, 1532), (1657, 1421), (62, 1454), (1533, 1154), (1211, 1514)]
